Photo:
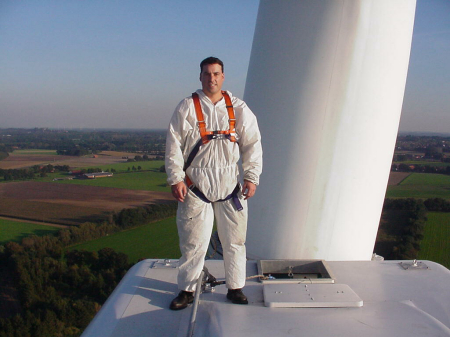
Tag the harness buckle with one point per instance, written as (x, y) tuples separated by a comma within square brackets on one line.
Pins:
[(218, 136)]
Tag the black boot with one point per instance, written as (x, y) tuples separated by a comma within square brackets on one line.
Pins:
[(182, 300), (237, 296)]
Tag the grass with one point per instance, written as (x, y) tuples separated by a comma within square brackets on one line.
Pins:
[(422, 186), (35, 152), (435, 245), (154, 240), (432, 179), (145, 165), (138, 180), (11, 230), (148, 178)]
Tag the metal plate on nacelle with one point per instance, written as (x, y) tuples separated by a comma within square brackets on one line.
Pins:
[(310, 296)]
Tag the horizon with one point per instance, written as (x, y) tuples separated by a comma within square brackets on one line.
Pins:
[(135, 129)]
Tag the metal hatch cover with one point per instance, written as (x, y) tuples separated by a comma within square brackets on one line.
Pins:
[(294, 271), (282, 295)]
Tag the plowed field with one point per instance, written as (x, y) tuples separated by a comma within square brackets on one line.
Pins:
[(395, 178), (70, 204), (21, 159)]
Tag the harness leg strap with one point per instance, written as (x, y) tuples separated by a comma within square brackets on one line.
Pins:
[(233, 195)]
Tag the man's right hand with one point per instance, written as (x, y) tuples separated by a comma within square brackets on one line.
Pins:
[(179, 191)]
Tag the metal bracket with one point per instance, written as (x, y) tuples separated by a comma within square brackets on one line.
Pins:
[(165, 264), (413, 265)]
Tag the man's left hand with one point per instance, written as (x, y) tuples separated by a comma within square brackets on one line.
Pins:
[(248, 190)]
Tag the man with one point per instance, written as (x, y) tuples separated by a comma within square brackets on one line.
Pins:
[(208, 133)]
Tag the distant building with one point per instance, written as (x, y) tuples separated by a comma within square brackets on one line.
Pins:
[(75, 172)]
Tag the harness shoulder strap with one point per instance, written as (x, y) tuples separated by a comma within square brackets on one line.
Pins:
[(200, 119), (231, 118)]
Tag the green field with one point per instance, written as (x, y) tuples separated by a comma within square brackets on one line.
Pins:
[(155, 240), (145, 165), (143, 180), (35, 152), (148, 178), (435, 245), (11, 230), (422, 186)]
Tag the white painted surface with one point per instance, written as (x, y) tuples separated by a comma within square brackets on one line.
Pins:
[(310, 296), (326, 80), (397, 303)]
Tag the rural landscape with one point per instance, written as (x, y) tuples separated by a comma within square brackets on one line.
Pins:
[(79, 207)]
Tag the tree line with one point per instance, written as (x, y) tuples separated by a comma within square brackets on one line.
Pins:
[(74, 150), (405, 219), (144, 158), (59, 290), (418, 168), (82, 142), (32, 172), (4, 151)]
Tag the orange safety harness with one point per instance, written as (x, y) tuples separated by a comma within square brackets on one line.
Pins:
[(206, 137)]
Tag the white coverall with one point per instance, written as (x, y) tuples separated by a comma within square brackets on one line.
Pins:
[(215, 172)]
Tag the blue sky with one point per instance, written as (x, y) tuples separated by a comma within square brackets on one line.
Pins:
[(126, 64)]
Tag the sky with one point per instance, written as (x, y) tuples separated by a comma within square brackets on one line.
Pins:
[(126, 64)]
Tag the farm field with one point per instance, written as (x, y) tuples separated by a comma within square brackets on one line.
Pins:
[(140, 180), (27, 158), (422, 186), (35, 152), (11, 230), (396, 178), (435, 245), (154, 240), (70, 204), (145, 165)]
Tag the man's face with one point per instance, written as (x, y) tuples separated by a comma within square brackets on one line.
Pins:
[(212, 79)]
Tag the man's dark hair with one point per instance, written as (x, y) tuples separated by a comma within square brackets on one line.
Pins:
[(211, 60)]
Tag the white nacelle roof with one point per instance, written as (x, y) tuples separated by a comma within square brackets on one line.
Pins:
[(396, 302)]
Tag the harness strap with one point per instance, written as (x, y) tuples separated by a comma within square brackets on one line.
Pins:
[(206, 137), (201, 121), (231, 118), (192, 155), (233, 195)]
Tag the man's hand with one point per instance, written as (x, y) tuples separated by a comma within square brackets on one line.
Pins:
[(179, 191), (248, 190)]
